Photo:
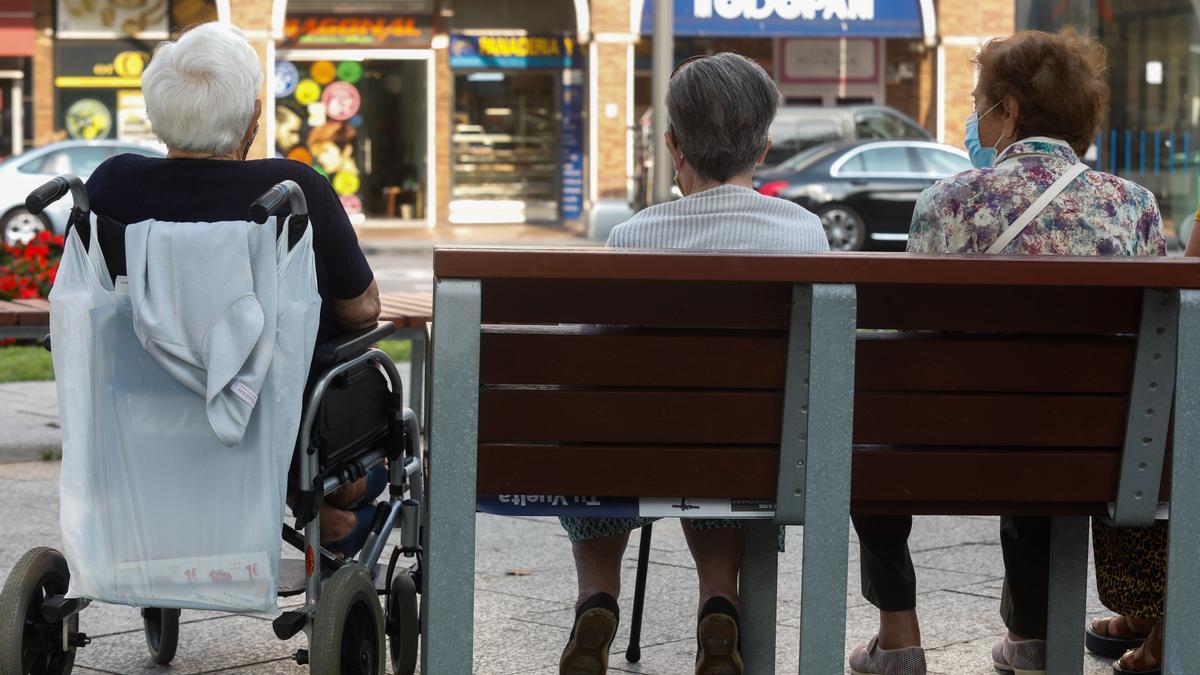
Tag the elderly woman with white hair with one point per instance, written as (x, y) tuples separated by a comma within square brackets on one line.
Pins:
[(202, 98)]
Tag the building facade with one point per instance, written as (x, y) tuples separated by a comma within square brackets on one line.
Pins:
[(1152, 134), (427, 112)]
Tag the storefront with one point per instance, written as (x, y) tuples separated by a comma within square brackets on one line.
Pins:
[(1152, 134), (16, 52), (99, 55), (353, 99), (517, 141), (819, 53)]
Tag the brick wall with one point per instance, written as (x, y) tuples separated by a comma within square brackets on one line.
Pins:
[(913, 97), (958, 24), (611, 18), (254, 17), (43, 72)]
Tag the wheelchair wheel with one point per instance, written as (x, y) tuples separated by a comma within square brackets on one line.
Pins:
[(347, 632), (162, 633), (29, 645), (403, 624)]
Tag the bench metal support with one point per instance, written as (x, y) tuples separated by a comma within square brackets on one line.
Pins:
[(826, 492), (419, 340), (1181, 649), (758, 589), (449, 571), (1067, 606), (1149, 410)]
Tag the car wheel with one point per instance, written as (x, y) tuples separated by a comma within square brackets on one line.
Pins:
[(20, 226), (845, 229)]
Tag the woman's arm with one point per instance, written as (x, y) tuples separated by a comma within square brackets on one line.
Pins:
[(360, 312), (1193, 245)]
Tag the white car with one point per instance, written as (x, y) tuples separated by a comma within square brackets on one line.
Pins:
[(21, 174)]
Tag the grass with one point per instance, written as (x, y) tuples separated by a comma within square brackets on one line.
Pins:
[(29, 363), (25, 363)]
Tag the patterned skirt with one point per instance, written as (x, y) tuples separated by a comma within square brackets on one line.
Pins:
[(1131, 568)]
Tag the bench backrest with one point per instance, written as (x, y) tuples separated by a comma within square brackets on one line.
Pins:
[(982, 385)]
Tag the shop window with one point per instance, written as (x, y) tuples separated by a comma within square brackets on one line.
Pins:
[(506, 141)]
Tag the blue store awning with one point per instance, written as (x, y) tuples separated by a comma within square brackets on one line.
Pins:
[(792, 18)]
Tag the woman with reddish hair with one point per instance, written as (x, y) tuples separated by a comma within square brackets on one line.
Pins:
[(1039, 100)]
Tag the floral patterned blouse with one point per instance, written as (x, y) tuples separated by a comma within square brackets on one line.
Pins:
[(1098, 213)]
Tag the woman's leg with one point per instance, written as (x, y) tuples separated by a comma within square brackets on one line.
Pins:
[(598, 565), (1025, 544), (888, 579), (718, 555)]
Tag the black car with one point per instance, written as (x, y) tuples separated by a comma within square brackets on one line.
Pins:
[(796, 128), (864, 192)]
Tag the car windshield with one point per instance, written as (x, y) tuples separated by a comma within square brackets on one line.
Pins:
[(802, 160)]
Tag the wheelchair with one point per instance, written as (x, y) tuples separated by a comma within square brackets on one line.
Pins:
[(353, 420)]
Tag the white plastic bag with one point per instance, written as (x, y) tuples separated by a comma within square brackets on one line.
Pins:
[(155, 511)]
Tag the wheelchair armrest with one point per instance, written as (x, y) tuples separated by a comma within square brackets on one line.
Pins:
[(346, 347)]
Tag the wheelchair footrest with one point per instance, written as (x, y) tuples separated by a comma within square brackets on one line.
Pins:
[(288, 624)]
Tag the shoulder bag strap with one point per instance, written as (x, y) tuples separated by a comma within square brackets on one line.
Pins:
[(1036, 208)]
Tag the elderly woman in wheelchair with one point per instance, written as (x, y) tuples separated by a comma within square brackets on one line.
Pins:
[(355, 438)]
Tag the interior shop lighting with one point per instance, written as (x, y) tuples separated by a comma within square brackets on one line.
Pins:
[(498, 112), (485, 77)]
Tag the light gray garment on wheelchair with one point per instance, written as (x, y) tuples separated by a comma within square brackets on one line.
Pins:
[(204, 306)]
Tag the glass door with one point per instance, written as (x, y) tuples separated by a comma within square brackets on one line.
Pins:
[(505, 147)]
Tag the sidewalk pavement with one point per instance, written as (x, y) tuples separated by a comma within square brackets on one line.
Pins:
[(525, 587)]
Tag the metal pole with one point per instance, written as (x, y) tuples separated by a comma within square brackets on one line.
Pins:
[(664, 57)]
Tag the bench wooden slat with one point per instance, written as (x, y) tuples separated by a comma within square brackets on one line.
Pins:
[(14, 314), (1011, 309), (627, 471), (547, 415), (663, 358), (852, 268), (989, 420), (633, 303), (883, 479), (943, 363), (651, 359)]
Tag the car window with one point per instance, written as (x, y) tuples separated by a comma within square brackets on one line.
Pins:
[(881, 160), (874, 124), (139, 150), (805, 158), (941, 162), (790, 136), (80, 161)]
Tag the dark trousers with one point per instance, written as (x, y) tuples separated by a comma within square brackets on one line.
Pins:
[(889, 581)]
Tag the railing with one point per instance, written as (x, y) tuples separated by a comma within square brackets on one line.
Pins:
[(1165, 161)]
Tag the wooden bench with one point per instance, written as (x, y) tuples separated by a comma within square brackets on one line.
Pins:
[(977, 385), (24, 319)]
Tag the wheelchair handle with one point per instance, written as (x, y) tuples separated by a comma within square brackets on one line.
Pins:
[(53, 190), (285, 192)]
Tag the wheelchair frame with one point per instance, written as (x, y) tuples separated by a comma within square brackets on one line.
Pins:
[(43, 571)]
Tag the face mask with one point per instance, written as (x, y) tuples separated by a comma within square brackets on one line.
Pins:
[(981, 157)]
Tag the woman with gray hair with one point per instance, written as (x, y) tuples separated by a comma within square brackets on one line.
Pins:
[(202, 98), (719, 110)]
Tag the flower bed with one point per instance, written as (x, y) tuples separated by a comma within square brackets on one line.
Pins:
[(27, 271)]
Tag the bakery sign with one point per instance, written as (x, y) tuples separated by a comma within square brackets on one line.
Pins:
[(356, 30)]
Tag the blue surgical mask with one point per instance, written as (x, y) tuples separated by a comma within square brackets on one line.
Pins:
[(981, 157)]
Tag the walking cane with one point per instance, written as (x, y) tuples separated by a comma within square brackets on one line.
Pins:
[(634, 653)]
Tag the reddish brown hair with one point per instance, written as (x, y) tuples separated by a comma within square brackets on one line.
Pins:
[(1060, 83)]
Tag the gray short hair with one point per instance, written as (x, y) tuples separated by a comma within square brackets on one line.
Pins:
[(200, 89), (719, 109)]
